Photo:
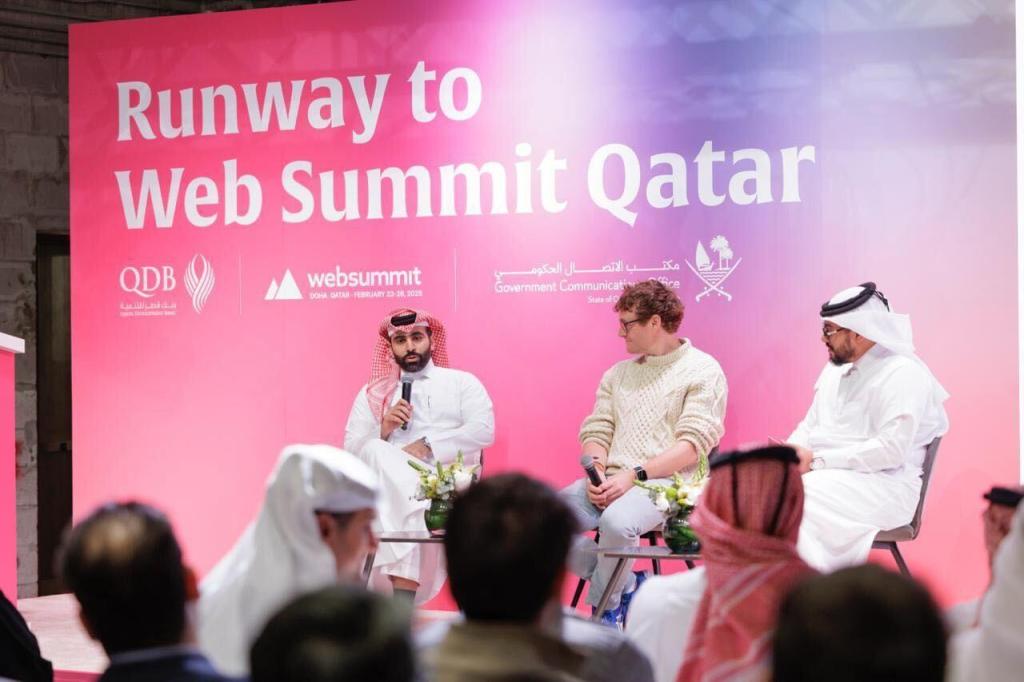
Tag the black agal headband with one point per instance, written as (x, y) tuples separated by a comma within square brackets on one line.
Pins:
[(403, 320), (868, 291), (779, 453), (1004, 497)]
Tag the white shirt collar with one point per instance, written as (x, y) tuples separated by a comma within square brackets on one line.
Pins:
[(875, 355), (866, 362)]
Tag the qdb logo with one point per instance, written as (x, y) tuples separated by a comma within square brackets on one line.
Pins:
[(714, 273), (199, 281), (147, 280)]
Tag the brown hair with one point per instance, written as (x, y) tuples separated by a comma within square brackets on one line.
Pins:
[(650, 298)]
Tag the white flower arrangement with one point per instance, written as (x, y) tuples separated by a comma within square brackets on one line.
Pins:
[(442, 482), (680, 495)]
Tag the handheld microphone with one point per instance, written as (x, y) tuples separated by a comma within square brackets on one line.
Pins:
[(406, 396), (587, 462)]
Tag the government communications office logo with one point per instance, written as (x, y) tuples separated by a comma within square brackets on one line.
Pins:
[(714, 273), (199, 281)]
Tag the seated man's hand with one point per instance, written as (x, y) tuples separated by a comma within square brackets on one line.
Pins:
[(394, 418), (997, 520), (805, 456), (593, 491), (419, 450), (614, 488)]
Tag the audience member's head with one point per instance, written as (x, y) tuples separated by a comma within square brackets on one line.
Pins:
[(998, 516), (757, 491), (994, 649), (350, 537), (336, 633), (124, 566), (313, 529), (861, 624), (749, 514), (506, 543)]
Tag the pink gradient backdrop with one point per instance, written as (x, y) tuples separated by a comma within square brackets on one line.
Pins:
[(8, 491), (913, 187)]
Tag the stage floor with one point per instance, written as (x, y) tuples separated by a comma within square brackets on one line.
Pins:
[(76, 657), (54, 620)]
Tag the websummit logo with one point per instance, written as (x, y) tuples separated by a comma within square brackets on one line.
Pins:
[(199, 281)]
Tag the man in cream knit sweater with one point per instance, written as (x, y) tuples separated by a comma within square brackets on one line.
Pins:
[(655, 414)]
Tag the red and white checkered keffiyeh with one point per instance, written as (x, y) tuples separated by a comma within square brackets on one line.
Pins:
[(748, 570), (385, 372)]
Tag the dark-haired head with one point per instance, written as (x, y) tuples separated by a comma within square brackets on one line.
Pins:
[(336, 633), (859, 624), (124, 566), (507, 540)]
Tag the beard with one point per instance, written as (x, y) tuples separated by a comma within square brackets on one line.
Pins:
[(414, 362), (839, 356)]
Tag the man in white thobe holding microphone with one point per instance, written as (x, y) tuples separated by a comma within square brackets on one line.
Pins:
[(414, 408)]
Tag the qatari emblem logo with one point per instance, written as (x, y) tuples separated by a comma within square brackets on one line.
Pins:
[(713, 274)]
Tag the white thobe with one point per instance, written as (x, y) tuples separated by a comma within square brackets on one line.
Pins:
[(869, 423), (962, 617), (281, 554), (660, 618), (995, 649), (452, 410)]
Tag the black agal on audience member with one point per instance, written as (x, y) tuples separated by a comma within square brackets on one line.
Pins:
[(781, 453)]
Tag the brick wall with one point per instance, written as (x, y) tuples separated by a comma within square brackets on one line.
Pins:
[(34, 192), (33, 198)]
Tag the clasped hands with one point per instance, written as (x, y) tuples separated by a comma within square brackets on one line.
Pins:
[(612, 489)]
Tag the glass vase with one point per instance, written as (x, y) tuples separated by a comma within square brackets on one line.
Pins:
[(437, 514), (679, 536)]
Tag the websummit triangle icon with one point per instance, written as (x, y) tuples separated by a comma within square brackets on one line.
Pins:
[(287, 290)]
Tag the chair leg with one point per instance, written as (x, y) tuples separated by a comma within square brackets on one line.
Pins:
[(579, 592), (655, 564), (582, 582), (899, 559), (367, 567)]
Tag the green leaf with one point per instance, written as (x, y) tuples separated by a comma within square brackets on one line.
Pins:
[(417, 466)]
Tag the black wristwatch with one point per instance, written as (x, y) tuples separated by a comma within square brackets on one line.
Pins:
[(641, 473)]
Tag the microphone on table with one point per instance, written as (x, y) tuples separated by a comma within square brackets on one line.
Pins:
[(587, 462), (407, 397)]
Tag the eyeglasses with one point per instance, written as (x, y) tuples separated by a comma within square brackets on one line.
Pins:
[(828, 333), (625, 324)]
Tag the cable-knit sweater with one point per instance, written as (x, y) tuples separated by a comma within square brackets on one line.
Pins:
[(648, 404)]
